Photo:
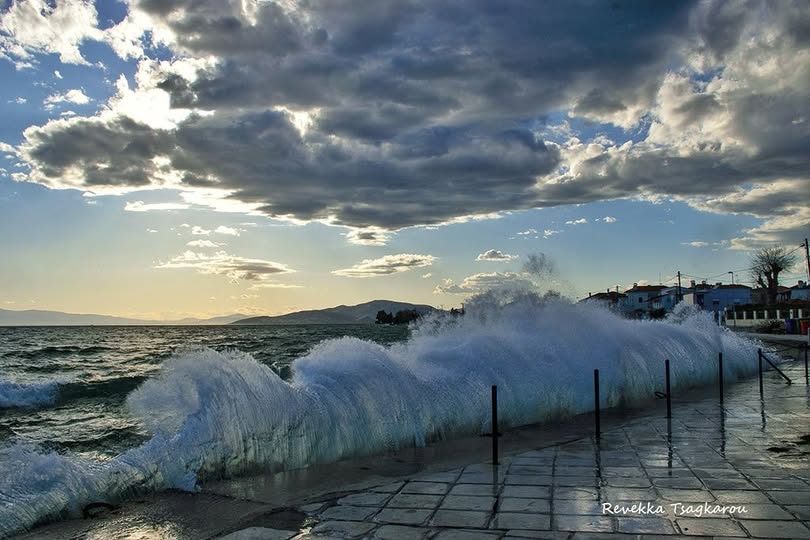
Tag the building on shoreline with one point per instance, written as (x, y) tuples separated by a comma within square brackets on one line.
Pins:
[(718, 297)]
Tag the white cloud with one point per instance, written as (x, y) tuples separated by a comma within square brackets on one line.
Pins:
[(495, 255), (74, 95), (57, 74), (548, 233), (19, 101), (527, 232), (228, 231), (140, 206), (426, 276), (221, 263), (7, 148), (273, 285), (220, 200), (696, 243), (579, 221), (203, 244), (607, 219), (196, 230), (37, 26), (389, 264), (151, 230), (245, 297)]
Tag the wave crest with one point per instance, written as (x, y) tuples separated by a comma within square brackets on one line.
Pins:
[(27, 395)]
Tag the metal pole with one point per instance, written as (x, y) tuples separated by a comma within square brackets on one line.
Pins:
[(597, 420), (669, 394), (720, 378), (679, 296), (761, 390), (806, 377), (494, 424)]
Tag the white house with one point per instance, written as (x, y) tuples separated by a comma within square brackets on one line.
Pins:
[(642, 299)]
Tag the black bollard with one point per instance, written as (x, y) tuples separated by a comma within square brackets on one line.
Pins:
[(720, 377), (669, 393), (597, 420), (761, 389), (495, 433)]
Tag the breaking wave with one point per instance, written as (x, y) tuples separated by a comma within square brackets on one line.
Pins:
[(27, 395), (213, 414)]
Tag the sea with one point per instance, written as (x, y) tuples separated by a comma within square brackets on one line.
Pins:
[(64, 388), (103, 414)]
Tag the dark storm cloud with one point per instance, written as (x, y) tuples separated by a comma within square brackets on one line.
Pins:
[(422, 112), (254, 154), (517, 58), (215, 27), (115, 153)]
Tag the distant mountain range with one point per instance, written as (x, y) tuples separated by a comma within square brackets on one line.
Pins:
[(359, 314), (36, 317)]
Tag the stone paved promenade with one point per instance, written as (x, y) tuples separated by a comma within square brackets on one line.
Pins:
[(749, 454)]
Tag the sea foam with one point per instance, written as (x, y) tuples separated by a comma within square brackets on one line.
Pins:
[(222, 413)]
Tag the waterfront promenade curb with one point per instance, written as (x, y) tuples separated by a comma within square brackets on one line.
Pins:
[(749, 453)]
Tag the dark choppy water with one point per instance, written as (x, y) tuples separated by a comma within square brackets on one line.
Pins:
[(64, 387)]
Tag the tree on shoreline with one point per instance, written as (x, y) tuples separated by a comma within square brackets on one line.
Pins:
[(402, 317), (766, 266)]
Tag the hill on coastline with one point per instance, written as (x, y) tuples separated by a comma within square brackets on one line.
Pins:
[(38, 317), (359, 314)]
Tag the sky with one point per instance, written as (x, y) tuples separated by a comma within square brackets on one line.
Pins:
[(172, 158)]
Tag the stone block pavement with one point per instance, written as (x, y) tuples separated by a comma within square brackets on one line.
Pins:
[(737, 471)]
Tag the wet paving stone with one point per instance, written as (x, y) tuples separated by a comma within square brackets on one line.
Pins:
[(516, 520), (425, 488), (644, 525), (790, 497), (776, 529), (366, 499), (532, 506), (578, 507), (763, 511), (350, 513), (404, 516), (405, 500), (478, 490), (460, 518), (710, 527), (465, 502), (343, 528), (584, 523), (400, 532), (529, 492)]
